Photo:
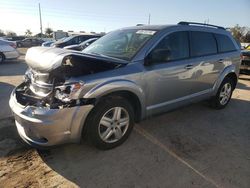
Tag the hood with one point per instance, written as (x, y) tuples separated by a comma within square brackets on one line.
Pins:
[(44, 60), (72, 46)]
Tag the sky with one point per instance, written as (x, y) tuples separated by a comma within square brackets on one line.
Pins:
[(104, 16)]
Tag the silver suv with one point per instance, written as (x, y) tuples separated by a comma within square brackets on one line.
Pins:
[(122, 78)]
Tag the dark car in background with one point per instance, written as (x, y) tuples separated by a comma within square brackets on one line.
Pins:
[(29, 42), (81, 46), (245, 61), (74, 39)]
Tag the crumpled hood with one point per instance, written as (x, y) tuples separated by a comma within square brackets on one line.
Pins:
[(45, 59)]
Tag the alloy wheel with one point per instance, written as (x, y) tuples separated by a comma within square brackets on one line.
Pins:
[(225, 93), (113, 124)]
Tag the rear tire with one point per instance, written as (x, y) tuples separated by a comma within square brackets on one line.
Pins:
[(223, 95), (110, 123), (1, 57)]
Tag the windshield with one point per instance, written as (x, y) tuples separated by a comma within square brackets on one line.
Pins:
[(88, 41), (122, 44), (65, 39)]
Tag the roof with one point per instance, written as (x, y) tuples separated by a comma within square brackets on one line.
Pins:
[(150, 27), (190, 25)]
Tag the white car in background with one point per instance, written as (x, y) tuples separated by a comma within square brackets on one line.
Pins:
[(8, 50)]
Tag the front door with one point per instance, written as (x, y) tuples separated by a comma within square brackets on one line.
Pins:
[(170, 73)]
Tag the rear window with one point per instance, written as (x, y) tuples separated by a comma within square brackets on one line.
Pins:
[(202, 43), (225, 44)]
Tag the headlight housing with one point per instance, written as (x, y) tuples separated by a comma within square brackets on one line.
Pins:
[(68, 92)]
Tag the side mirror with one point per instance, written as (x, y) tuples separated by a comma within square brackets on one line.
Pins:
[(157, 56)]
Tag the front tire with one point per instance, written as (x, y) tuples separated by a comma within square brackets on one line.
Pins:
[(223, 95), (110, 123)]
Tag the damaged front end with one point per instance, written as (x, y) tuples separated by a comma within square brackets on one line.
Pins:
[(54, 83), (48, 106)]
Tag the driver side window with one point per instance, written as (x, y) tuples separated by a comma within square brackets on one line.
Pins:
[(174, 46)]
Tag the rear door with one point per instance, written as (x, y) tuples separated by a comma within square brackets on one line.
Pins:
[(207, 63)]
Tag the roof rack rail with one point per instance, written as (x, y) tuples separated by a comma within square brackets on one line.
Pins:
[(203, 24)]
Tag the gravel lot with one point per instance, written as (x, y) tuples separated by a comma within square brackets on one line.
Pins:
[(194, 146)]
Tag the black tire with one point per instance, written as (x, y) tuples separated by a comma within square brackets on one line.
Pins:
[(216, 100), (95, 116), (2, 57)]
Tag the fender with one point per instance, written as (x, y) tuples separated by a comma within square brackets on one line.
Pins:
[(111, 86), (229, 69)]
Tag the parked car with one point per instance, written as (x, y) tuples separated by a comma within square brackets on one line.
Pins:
[(75, 39), (125, 76), (47, 43), (8, 50), (245, 61), (29, 42), (81, 46), (14, 38)]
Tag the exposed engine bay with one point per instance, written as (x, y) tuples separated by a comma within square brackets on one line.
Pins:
[(48, 85)]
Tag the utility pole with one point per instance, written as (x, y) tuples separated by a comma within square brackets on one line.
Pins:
[(149, 17), (41, 27)]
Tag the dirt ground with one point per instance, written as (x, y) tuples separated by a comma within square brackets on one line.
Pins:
[(194, 146)]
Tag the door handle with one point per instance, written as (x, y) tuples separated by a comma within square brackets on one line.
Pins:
[(190, 66)]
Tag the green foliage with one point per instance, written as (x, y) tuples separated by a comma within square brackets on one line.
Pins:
[(49, 32), (240, 33), (10, 34), (28, 33), (1, 33)]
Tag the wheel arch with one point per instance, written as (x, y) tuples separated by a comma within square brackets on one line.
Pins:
[(120, 88), (233, 77), (131, 97), (230, 72)]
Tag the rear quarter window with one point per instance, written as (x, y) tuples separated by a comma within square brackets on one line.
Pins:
[(225, 44), (202, 43)]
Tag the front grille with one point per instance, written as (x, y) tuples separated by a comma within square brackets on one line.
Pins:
[(40, 77), (40, 83)]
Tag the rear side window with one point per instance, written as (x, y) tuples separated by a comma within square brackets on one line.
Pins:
[(225, 44), (173, 47), (202, 43)]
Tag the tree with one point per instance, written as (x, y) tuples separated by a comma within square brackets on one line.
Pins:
[(49, 32), (10, 34), (238, 32), (247, 37), (40, 35), (28, 33), (1, 33)]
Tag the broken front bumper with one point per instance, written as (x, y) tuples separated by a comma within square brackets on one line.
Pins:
[(43, 126)]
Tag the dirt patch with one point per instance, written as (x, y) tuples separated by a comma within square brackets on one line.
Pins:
[(21, 165)]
